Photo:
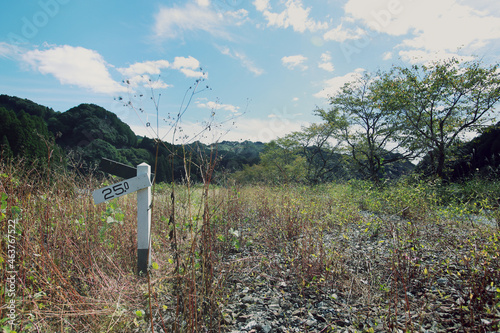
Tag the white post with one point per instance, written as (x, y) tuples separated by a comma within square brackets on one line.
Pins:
[(143, 222)]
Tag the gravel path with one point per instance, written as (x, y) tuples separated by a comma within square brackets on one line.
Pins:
[(384, 275)]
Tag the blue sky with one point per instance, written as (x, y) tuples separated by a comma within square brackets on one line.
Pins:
[(268, 63)]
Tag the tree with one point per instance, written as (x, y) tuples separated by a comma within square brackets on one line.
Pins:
[(96, 150), (315, 143), (371, 135), (5, 151), (80, 125), (281, 162), (9, 127), (436, 104)]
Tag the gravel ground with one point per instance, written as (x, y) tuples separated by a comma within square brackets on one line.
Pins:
[(385, 275)]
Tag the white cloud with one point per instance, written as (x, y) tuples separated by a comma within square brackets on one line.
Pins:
[(239, 16), (183, 62), (218, 106), (264, 130), (294, 15), (261, 5), (341, 34), (387, 56), (75, 66), (8, 50), (203, 3), (325, 63), (242, 57), (139, 73), (291, 62), (232, 127), (189, 66), (173, 22), (327, 66), (147, 67), (243, 128), (326, 56), (146, 81), (333, 85), (434, 27)]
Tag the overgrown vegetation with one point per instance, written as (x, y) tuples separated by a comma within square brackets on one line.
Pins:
[(413, 255)]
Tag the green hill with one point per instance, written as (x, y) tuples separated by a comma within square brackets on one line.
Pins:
[(23, 130), (88, 132), (81, 125)]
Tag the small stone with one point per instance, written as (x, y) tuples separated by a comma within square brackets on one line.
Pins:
[(285, 304), (251, 325), (274, 307), (247, 299), (275, 300), (442, 281), (310, 322), (266, 328), (298, 312), (485, 322), (243, 318)]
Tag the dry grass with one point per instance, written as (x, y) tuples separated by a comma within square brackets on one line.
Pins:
[(75, 270), (390, 256)]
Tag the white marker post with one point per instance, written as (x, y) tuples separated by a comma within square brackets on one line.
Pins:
[(143, 221), (141, 184)]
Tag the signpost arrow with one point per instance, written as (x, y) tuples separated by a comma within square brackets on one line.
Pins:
[(121, 188), (117, 168), (142, 184)]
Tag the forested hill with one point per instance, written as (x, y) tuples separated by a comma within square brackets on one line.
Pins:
[(81, 136), (83, 124), (23, 128), (84, 134)]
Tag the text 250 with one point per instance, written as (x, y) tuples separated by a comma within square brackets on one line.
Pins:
[(115, 190)]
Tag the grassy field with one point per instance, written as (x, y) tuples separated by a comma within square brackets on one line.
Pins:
[(410, 257)]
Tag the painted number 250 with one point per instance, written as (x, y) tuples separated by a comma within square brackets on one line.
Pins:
[(116, 190)]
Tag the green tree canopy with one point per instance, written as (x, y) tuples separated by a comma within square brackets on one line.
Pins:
[(316, 143), (370, 135), (80, 125), (435, 104), (27, 136)]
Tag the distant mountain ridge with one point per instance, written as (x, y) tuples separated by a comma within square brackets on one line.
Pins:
[(89, 132)]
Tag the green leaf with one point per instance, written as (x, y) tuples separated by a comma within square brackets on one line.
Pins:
[(119, 216), (154, 265), (16, 211), (3, 201)]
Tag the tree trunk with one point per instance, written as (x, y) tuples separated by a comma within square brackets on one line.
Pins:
[(440, 162)]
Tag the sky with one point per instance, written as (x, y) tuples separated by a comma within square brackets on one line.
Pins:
[(232, 69)]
